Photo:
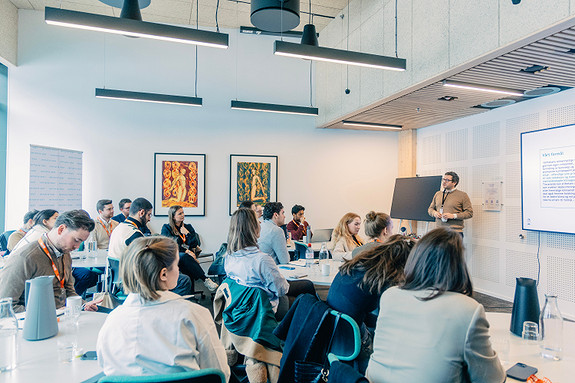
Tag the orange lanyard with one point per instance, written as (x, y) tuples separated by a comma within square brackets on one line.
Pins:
[(56, 272), (356, 240), (104, 226), (297, 225), (133, 224), (375, 240)]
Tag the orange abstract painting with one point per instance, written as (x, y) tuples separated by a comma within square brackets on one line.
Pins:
[(180, 183)]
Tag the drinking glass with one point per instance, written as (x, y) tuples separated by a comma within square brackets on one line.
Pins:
[(530, 331)]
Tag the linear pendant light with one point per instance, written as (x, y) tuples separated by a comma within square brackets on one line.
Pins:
[(482, 88), (148, 97), (371, 125), (310, 52), (135, 28), (274, 108)]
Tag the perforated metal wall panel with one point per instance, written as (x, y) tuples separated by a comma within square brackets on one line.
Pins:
[(456, 145), (486, 263), (486, 140), (513, 179), (513, 228), (561, 278), (560, 241), (483, 173), (561, 116), (519, 264), (485, 224), (431, 149), (513, 129)]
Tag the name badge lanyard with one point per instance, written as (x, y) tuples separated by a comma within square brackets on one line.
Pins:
[(105, 228), (298, 225), (445, 194), (54, 268)]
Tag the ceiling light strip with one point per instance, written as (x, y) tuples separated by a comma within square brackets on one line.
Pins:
[(274, 108), (148, 97), (284, 48), (371, 125), (482, 88), (134, 28)]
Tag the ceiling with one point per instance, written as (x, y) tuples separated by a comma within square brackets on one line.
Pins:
[(419, 106), (231, 13)]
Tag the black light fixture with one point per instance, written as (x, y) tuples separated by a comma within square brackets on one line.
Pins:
[(482, 88), (534, 69), (134, 27), (274, 108), (275, 15), (148, 97), (371, 125), (447, 98)]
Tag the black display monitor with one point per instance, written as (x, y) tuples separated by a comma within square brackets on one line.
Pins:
[(412, 197)]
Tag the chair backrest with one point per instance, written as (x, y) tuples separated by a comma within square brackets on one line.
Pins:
[(347, 340), (114, 273), (321, 235), (207, 375), (4, 239), (300, 249)]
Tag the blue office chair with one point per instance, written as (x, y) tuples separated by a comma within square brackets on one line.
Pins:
[(4, 240), (207, 375)]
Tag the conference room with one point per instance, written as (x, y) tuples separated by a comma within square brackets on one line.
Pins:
[(50, 74)]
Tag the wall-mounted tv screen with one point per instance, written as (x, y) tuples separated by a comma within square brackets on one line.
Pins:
[(412, 197), (548, 179)]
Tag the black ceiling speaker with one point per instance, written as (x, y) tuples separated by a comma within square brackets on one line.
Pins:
[(275, 15), (309, 36)]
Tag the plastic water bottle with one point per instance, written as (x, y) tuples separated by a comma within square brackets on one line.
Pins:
[(8, 334), (551, 325), (309, 256), (324, 260)]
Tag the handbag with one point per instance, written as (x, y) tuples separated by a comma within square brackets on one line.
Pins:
[(312, 372)]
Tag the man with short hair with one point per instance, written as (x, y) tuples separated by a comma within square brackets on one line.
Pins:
[(132, 228), (272, 239), (105, 225), (49, 256), (16, 236), (298, 226), (451, 206), (124, 206)]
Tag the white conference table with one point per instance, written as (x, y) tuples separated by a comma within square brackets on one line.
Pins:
[(310, 273), (527, 352), (38, 361), (87, 259)]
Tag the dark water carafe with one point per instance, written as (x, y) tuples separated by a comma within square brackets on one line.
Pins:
[(525, 304)]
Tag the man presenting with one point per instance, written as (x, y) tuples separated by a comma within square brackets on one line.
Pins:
[(298, 226), (48, 256), (132, 228), (272, 239), (451, 206)]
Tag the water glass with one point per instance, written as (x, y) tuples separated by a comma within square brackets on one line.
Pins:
[(74, 308), (530, 331)]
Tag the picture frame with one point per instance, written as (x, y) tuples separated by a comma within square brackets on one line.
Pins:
[(253, 177), (180, 179)]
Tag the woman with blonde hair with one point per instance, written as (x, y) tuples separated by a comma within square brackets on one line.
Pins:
[(345, 236), (156, 331), (378, 227), (430, 329)]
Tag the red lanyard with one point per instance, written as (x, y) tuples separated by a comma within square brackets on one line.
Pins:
[(105, 228), (56, 272)]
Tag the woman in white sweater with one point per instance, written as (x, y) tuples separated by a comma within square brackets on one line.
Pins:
[(345, 237), (156, 331), (430, 329)]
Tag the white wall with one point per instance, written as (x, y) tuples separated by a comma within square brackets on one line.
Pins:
[(52, 103), (486, 147)]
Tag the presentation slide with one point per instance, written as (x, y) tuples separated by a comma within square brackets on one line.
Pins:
[(548, 179)]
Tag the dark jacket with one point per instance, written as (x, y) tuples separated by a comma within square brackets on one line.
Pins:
[(191, 239)]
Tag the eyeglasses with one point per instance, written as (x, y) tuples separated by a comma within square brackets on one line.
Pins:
[(447, 180)]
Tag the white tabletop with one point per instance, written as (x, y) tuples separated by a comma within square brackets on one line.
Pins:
[(87, 259), (311, 273), (562, 371), (38, 361)]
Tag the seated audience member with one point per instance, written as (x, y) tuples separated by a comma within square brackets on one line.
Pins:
[(357, 287), (345, 236), (48, 255), (272, 239), (430, 329), (104, 223), (16, 236), (131, 229), (249, 204), (156, 331), (124, 206), (43, 222), (246, 264), (378, 227), (298, 226), (188, 245)]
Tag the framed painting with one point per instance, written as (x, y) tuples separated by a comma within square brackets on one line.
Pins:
[(253, 177), (180, 179)]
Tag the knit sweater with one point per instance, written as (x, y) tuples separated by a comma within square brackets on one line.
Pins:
[(102, 232), (456, 202), (30, 262)]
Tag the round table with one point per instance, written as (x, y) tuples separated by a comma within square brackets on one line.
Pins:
[(311, 273)]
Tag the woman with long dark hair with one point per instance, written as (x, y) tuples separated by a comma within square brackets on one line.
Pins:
[(188, 245), (44, 221), (430, 329)]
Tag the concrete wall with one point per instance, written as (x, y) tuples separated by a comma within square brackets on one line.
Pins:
[(8, 32)]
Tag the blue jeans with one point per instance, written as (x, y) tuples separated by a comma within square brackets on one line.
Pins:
[(184, 286), (84, 279)]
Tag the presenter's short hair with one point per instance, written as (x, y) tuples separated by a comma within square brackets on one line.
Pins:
[(143, 262), (454, 176)]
